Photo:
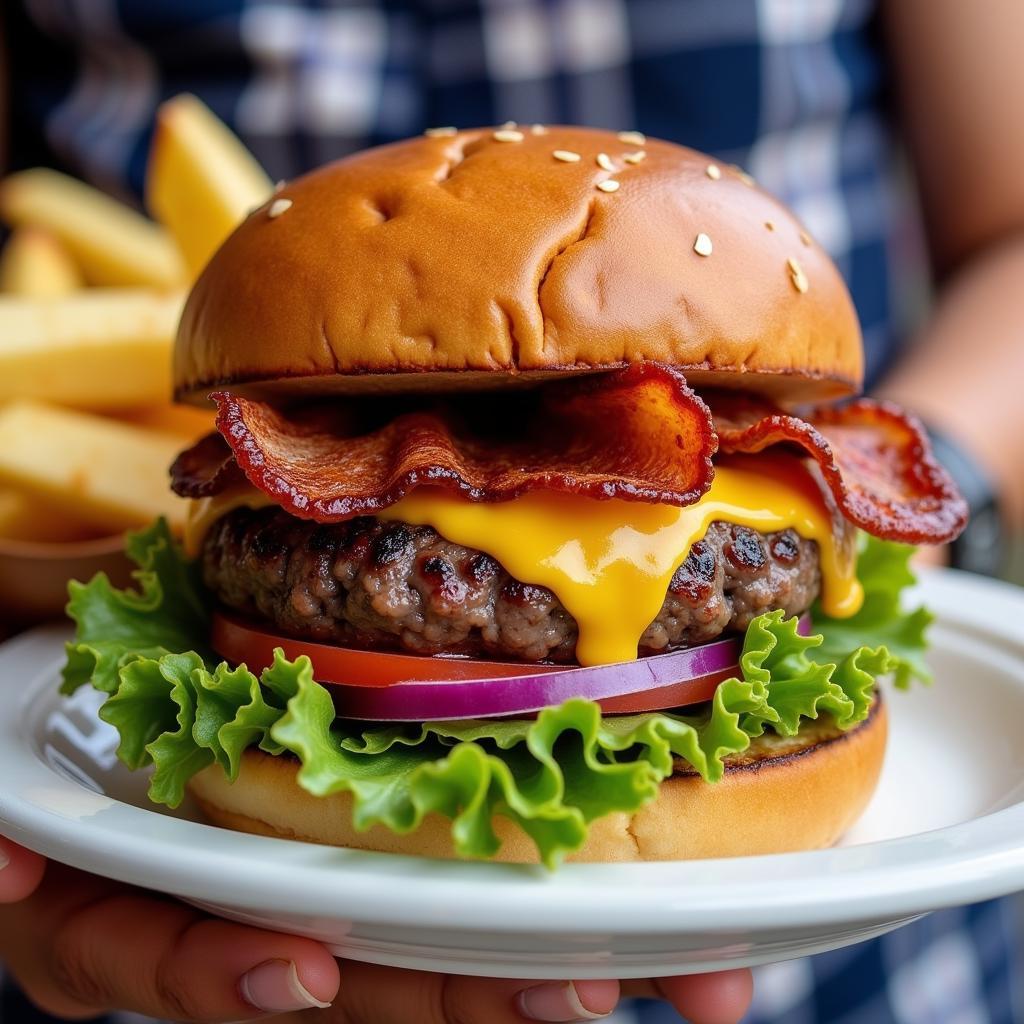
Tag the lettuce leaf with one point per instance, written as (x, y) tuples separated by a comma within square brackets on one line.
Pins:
[(179, 710), (883, 569), (167, 614)]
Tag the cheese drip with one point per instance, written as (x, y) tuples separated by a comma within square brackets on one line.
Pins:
[(610, 561)]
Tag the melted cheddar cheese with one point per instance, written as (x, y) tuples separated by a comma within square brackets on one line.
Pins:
[(610, 561)]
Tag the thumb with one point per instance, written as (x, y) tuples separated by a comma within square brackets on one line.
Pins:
[(20, 872)]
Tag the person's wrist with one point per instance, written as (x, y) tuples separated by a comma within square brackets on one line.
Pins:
[(983, 546)]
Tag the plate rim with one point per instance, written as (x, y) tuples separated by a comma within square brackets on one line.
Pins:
[(950, 866)]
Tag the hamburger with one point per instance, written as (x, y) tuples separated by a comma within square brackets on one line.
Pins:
[(539, 522)]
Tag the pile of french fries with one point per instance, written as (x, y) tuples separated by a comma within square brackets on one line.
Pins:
[(90, 295)]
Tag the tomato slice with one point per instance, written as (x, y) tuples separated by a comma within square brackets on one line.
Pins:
[(406, 688), (239, 641)]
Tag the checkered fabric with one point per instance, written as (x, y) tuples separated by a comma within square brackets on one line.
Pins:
[(791, 89), (955, 967)]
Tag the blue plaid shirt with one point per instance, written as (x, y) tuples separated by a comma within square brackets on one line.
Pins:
[(791, 89)]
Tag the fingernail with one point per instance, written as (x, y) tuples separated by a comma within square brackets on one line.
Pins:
[(274, 987), (556, 1001)]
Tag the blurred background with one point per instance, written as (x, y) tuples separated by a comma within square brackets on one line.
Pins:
[(848, 110), (136, 133)]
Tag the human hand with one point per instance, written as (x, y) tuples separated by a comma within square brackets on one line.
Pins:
[(80, 945)]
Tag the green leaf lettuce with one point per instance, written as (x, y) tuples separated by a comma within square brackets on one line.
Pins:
[(176, 708)]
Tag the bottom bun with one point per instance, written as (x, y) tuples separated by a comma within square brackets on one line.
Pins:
[(781, 794)]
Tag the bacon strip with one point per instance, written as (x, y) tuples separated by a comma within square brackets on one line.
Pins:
[(639, 433), (207, 468), (875, 459)]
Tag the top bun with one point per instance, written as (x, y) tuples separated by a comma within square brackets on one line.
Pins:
[(483, 257)]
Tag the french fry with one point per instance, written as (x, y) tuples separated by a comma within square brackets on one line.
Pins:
[(95, 349), (186, 421), (111, 474), (33, 263), (112, 243), (24, 517), (201, 181)]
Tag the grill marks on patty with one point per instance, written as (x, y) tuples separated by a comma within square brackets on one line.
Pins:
[(377, 584)]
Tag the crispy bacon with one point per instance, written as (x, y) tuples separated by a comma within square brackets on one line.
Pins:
[(208, 467), (639, 433), (874, 457)]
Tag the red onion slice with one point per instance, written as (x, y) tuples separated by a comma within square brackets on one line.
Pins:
[(444, 689), (626, 687)]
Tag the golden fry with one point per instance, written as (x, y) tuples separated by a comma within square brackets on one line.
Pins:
[(112, 243), (95, 349), (187, 422), (34, 264), (201, 181), (110, 474)]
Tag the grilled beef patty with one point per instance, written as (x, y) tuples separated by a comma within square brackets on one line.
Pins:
[(376, 584)]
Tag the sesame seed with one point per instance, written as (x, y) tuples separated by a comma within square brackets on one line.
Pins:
[(279, 185), (743, 176), (438, 133), (508, 135), (702, 245), (634, 158), (509, 124), (805, 238), (797, 275), (566, 156), (604, 161), (279, 206), (770, 225), (539, 129), (609, 185), (633, 138), (713, 171)]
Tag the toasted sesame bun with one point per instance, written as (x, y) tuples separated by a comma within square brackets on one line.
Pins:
[(780, 795), (483, 258)]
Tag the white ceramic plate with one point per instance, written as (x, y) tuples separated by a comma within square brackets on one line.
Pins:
[(946, 828)]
